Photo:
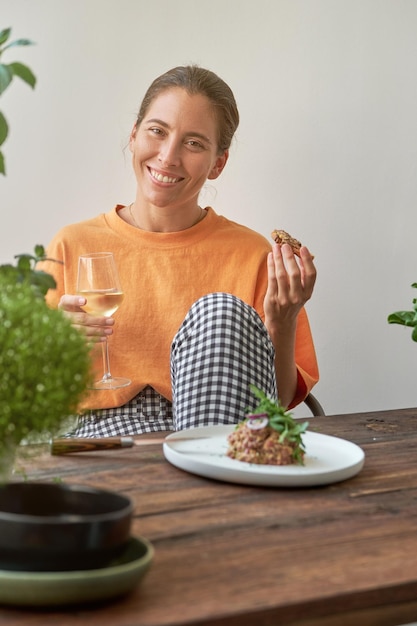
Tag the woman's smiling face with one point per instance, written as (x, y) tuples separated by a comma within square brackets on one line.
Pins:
[(175, 149)]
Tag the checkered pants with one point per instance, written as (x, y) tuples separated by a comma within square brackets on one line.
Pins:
[(221, 347)]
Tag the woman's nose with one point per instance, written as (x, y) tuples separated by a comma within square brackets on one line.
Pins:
[(169, 154)]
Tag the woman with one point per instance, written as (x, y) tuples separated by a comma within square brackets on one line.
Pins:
[(209, 308)]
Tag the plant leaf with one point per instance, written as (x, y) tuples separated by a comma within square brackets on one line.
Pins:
[(42, 282), (24, 72), (2, 164), (39, 252), (6, 76), (18, 42), (406, 318), (25, 271), (4, 35), (24, 262), (4, 128)]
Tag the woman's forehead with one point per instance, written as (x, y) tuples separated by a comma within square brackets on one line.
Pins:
[(176, 105)]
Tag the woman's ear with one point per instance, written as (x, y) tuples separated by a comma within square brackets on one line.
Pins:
[(219, 165), (132, 137)]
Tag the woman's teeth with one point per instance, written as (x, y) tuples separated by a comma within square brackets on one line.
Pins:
[(163, 179)]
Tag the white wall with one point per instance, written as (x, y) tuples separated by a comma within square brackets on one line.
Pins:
[(327, 147)]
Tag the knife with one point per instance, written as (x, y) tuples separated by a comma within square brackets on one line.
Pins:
[(67, 445)]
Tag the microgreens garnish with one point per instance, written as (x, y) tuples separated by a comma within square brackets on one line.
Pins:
[(280, 420)]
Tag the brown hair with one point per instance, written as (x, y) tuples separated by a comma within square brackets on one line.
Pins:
[(197, 80)]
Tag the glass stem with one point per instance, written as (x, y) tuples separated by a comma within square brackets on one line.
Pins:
[(106, 361)]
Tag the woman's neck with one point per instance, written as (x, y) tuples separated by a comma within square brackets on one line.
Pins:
[(162, 220)]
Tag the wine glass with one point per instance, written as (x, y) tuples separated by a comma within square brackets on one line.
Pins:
[(98, 281)]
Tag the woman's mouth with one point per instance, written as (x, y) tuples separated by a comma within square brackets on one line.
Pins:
[(162, 178)]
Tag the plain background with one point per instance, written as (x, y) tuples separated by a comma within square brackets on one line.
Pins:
[(326, 149)]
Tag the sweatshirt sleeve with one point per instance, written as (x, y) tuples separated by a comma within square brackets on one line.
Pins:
[(55, 265), (306, 360)]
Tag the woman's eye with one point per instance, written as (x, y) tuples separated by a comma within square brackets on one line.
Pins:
[(195, 144), (156, 131)]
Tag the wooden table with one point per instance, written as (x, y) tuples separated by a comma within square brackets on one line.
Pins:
[(234, 555)]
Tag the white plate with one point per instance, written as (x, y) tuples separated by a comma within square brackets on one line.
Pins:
[(327, 459)]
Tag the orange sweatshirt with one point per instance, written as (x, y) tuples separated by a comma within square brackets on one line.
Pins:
[(162, 274)]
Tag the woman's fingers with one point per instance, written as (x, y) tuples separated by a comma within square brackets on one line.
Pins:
[(95, 328), (308, 271), (70, 303), (289, 281)]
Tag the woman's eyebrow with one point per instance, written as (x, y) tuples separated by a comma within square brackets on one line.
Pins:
[(155, 120)]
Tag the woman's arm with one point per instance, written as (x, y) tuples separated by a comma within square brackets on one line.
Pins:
[(290, 286)]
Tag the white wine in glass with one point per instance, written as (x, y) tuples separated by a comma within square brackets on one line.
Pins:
[(98, 281)]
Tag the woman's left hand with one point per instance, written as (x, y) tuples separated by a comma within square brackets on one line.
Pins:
[(290, 285)]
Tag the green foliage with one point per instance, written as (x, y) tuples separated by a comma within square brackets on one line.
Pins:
[(7, 73), (281, 420), (25, 271), (45, 364), (406, 318)]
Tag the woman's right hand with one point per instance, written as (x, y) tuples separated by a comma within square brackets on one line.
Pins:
[(95, 328)]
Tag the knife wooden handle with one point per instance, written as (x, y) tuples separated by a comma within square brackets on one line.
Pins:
[(67, 445)]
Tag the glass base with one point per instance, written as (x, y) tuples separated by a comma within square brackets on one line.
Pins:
[(111, 383)]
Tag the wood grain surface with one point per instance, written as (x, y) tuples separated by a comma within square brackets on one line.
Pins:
[(229, 555)]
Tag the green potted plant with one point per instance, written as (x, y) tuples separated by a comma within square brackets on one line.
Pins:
[(406, 318), (7, 73), (45, 364)]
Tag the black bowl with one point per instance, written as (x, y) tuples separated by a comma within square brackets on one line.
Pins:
[(60, 527)]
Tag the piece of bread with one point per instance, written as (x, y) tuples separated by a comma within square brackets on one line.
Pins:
[(281, 237)]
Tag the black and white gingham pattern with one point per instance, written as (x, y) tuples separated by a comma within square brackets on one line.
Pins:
[(221, 347), (147, 412)]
